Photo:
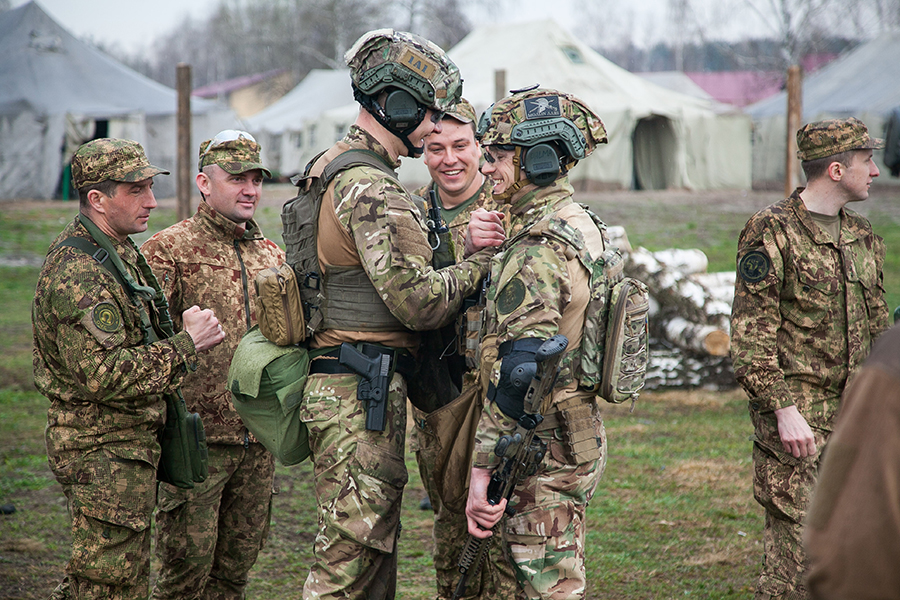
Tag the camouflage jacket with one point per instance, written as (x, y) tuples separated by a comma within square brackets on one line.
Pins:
[(387, 228), (90, 359), (459, 227), (211, 262), (537, 284), (806, 309)]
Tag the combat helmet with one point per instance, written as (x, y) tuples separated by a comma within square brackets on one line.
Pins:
[(550, 131), (414, 73)]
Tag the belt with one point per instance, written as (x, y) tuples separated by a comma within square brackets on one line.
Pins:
[(329, 363)]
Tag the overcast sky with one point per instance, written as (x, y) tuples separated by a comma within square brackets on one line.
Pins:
[(132, 24)]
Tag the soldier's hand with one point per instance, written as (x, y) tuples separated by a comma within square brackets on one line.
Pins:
[(485, 230), (796, 435), (481, 515), (203, 327)]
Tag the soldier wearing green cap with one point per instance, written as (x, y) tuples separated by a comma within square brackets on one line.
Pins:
[(809, 303), (372, 246), (540, 285), (104, 362), (209, 536), (457, 189)]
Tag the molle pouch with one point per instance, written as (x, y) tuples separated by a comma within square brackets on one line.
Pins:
[(184, 458), (579, 431), (626, 355), (470, 322), (199, 453), (279, 310)]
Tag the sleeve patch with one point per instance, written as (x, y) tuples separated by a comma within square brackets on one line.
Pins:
[(106, 317), (754, 266), (511, 297)]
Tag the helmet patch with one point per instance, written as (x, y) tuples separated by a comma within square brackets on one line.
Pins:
[(418, 63), (542, 107)]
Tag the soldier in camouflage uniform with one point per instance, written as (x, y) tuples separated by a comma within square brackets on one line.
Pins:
[(452, 157), (209, 536), (369, 223), (93, 360), (809, 302), (538, 289)]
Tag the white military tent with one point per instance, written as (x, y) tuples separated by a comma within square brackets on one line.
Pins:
[(862, 83), (57, 92), (303, 123)]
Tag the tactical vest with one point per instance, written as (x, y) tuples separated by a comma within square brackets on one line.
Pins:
[(344, 297)]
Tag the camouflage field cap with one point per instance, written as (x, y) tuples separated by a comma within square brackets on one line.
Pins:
[(387, 58), (534, 115), (233, 150), (109, 159), (464, 112), (827, 138)]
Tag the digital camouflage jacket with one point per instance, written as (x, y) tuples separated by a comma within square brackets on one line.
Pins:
[(806, 309), (210, 261), (90, 359)]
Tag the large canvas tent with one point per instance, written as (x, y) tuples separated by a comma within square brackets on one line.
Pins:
[(863, 83), (57, 92)]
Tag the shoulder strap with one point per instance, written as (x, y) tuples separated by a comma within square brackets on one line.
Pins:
[(95, 252), (354, 158)]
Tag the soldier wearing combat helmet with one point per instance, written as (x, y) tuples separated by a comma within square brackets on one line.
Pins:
[(104, 363), (210, 536), (809, 303), (372, 245), (540, 288)]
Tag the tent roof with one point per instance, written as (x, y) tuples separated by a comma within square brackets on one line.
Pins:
[(864, 80), (320, 90), (46, 68)]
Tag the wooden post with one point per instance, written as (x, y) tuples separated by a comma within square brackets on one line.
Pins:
[(499, 84), (794, 116), (183, 154)]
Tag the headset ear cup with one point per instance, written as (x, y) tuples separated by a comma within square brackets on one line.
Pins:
[(400, 109), (541, 164)]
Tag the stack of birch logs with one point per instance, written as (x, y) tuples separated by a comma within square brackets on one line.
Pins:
[(690, 311)]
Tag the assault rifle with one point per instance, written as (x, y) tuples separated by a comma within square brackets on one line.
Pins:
[(520, 453)]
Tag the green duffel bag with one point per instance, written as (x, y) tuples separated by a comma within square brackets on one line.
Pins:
[(266, 383)]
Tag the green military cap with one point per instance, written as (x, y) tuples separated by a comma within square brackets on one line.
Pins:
[(833, 136), (109, 159), (464, 112), (233, 150)]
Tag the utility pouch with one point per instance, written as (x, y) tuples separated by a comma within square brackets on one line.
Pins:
[(185, 457), (279, 310), (626, 356), (578, 429)]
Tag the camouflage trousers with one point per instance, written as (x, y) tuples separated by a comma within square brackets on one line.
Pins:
[(210, 536), (495, 578), (110, 501), (360, 477), (545, 538), (783, 486)]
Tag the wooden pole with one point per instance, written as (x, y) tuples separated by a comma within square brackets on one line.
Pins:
[(499, 84), (183, 171), (794, 116)]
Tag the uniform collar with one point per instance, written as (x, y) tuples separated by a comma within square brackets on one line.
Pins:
[(358, 137), (850, 232), (533, 203), (225, 226)]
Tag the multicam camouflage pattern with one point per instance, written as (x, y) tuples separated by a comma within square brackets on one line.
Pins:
[(833, 136), (387, 58), (551, 296), (111, 159), (806, 312), (210, 261), (360, 477), (104, 386), (541, 115), (234, 156), (207, 551)]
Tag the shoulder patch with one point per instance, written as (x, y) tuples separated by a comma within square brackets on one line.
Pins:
[(106, 317), (754, 266), (511, 297)]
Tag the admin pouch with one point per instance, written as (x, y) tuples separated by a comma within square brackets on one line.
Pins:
[(279, 311), (625, 363), (266, 383)]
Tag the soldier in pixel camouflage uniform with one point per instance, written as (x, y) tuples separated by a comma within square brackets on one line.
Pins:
[(368, 223), (209, 536), (538, 289), (104, 374), (809, 302), (452, 157)]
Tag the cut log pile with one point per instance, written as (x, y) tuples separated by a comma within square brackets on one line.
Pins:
[(690, 313)]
